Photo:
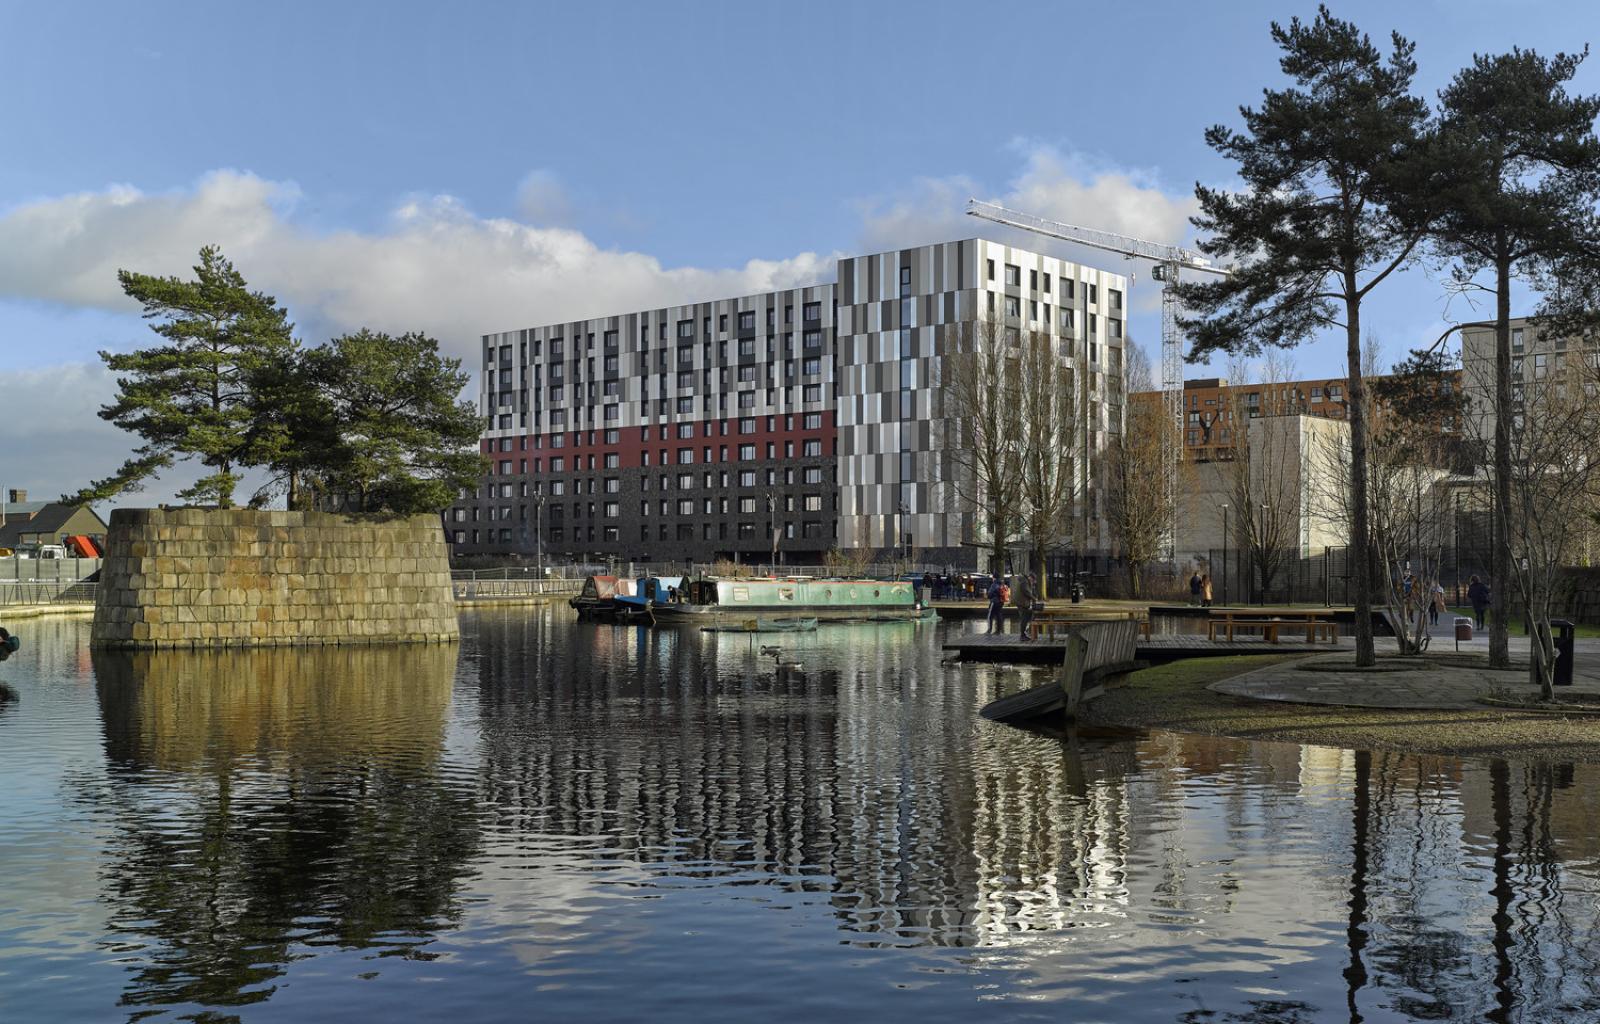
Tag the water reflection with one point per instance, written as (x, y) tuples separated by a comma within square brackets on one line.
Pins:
[(615, 823), (272, 803)]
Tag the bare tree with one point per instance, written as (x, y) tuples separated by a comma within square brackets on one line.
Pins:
[(1048, 446), (1410, 451), (1263, 465), (981, 382), (1139, 502), (1555, 420)]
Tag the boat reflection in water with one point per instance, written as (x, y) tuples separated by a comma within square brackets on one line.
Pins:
[(600, 821)]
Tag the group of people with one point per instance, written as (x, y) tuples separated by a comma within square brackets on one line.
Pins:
[(1200, 589), (1024, 596)]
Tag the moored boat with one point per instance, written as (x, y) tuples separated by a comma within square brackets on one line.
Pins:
[(599, 596), (833, 599)]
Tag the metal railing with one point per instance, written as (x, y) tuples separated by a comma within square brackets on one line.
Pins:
[(15, 568), (490, 590), (32, 593)]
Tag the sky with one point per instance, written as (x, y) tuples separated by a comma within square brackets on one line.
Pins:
[(469, 168)]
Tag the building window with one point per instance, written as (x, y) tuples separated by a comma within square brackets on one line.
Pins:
[(747, 452), (1013, 306), (747, 478), (1013, 275), (747, 505), (812, 393), (685, 456), (990, 269), (747, 320), (612, 510), (813, 312), (813, 503), (813, 475), (812, 449)]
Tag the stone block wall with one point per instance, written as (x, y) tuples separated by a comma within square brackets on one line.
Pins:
[(244, 578)]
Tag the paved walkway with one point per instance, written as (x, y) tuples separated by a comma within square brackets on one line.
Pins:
[(1437, 684)]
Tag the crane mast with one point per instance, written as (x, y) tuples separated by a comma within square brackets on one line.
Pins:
[(1169, 260)]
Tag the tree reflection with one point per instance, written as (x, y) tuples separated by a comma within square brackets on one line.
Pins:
[(269, 802)]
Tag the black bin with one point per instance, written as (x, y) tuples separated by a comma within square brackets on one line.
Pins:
[(1564, 632)]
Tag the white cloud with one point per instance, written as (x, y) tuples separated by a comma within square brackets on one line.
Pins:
[(438, 267), (1051, 184), (435, 267)]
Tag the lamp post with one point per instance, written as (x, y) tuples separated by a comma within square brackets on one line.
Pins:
[(772, 522), (900, 530), (1261, 546), (538, 532), (1224, 553)]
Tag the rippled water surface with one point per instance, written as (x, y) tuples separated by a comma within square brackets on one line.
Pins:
[(561, 821)]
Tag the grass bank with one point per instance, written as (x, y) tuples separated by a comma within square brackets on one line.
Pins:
[(1174, 696)]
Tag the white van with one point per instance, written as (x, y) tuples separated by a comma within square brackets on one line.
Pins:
[(51, 551)]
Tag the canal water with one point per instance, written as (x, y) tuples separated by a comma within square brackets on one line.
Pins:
[(565, 821)]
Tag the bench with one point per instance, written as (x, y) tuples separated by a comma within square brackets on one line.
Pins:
[(1317, 629)]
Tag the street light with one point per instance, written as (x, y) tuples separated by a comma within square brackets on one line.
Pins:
[(538, 531), (1224, 553), (1261, 544), (900, 530)]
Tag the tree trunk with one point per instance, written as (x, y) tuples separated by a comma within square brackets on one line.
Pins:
[(1500, 553), (1360, 540)]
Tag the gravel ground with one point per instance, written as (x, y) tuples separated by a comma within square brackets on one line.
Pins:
[(1175, 697)]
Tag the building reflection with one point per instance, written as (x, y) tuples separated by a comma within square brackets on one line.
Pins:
[(863, 777), (263, 804)]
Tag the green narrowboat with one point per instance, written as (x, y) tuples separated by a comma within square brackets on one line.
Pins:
[(771, 598)]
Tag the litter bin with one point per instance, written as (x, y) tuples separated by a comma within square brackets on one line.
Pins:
[(1564, 632), (1463, 628), (1077, 593)]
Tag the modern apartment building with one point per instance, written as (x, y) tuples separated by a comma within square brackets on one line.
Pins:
[(811, 417)]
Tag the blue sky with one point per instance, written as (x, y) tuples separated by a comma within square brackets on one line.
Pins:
[(465, 168)]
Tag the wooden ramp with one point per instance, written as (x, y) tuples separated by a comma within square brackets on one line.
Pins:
[(1089, 653)]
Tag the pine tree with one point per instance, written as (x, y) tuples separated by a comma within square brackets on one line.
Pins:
[(192, 397), (1524, 181), (401, 441), (1330, 167)]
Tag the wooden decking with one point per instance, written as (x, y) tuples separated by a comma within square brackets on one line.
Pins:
[(1006, 647)]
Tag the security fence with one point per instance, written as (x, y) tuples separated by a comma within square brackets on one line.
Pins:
[(16, 568)]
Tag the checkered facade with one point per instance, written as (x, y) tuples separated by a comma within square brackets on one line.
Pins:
[(813, 415)]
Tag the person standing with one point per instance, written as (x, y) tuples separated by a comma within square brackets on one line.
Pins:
[(1205, 590), (997, 604), (1027, 594), (1478, 596), (1194, 588)]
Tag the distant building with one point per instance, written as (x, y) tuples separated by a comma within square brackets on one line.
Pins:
[(29, 524), (1288, 479), (1533, 355), (1209, 419)]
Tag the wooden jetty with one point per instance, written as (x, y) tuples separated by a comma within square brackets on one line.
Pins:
[(1156, 650)]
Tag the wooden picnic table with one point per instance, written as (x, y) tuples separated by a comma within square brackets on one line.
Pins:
[(1316, 622)]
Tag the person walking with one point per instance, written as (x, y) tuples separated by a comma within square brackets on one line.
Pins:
[(1027, 594), (997, 604), (1205, 590), (1435, 603), (1194, 588), (1478, 596)]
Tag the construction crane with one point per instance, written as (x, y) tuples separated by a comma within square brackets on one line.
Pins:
[(1169, 260)]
